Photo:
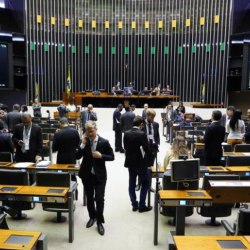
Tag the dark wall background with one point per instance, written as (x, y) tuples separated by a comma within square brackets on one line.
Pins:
[(183, 57)]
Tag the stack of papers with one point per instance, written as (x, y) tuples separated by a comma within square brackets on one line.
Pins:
[(43, 164)]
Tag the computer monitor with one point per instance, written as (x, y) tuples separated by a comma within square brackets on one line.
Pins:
[(185, 170)]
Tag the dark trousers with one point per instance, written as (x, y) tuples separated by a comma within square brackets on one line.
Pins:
[(143, 175), (118, 140), (95, 191)]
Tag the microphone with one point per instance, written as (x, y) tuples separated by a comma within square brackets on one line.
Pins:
[(48, 111)]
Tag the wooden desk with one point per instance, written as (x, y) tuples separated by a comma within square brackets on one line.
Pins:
[(181, 199), (6, 234), (38, 194), (217, 169), (205, 105), (199, 145), (230, 191), (5, 164), (247, 238), (240, 170), (70, 115), (205, 242)]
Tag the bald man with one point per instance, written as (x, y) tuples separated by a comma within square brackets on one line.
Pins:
[(27, 138)]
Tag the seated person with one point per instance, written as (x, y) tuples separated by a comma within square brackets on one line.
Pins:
[(167, 90), (113, 91), (247, 134), (118, 86), (181, 108), (179, 117), (36, 106), (63, 110), (179, 148), (6, 144)]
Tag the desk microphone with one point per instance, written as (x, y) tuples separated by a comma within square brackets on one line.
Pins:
[(48, 111)]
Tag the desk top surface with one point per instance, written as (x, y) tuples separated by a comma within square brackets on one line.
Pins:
[(69, 167), (216, 169), (206, 242), (35, 190), (239, 168), (6, 234), (247, 238), (184, 194), (160, 170)]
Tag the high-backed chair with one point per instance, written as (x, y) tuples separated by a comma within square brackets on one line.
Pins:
[(202, 128), (242, 148), (55, 179), (234, 160), (216, 210), (16, 177), (227, 147), (242, 224), (169, 185), (6, 157)]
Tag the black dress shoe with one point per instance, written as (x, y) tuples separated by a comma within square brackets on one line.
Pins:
[(134, 209), (100, 228), (90, 222), (144, 209)]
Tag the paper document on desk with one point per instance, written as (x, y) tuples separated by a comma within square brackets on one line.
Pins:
[(247, 154), (23, 164), (43, 164), (142, 151)]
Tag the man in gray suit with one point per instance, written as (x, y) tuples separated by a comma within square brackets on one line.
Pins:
[(13, 118), (229, 113), (127, 119), (88, 115), (170, 118)]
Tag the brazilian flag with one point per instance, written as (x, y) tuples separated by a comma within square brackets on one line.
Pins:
[(68, 83)]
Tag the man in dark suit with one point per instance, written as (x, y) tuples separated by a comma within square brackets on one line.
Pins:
[(229, 113), (88, 115), (117, 128), (95, 151), (13, 118), (6, 144), (27, 138), (214, 136), (66, 142), (136, 150), (127, 119), (144, 111)]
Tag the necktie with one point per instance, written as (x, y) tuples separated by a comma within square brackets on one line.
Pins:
[(150, 133), (92, 149), (88, 118)]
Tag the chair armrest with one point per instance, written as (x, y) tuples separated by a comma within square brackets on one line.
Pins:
[(228, 227)]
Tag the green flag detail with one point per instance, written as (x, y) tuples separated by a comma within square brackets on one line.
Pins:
[(100, 50), (126, 50), (179, 50), (32, 46), (86, 49), (166, 50), (46, 47), (139, 50), (113, 50), (73, 49), (153, 50)]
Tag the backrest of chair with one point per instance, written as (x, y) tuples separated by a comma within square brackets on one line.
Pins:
[(242, 148), (227, 147), (217, 177), (6, 157), (53, 179), (186, 128), (195, 132), (14, 177), (202, 128), (233, 160), (244, 222)]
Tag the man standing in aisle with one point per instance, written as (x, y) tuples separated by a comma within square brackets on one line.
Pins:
[(13, 118), (214, 136), (27, 138), (95, 151), (88, 115), (117, 128), (127, 119), (136, 152)]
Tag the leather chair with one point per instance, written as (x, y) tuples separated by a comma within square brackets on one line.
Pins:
[(169, 185), (233, 160), (242, 224), (6, 157), (216, 210), (16, 177), (227, 147), (55, 179), (242, 148)]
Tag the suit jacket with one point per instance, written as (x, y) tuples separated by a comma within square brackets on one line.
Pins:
[(135, 140), (35, 145), (172, 115), (156, 131), (117, 120), (144, 114), (6, 144), (223, 120), (127, 121), (84, 117), (88, 161), (13, 118), (66, 141), (214, 136)]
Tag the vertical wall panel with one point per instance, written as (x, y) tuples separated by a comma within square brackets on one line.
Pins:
[(185, 56)]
